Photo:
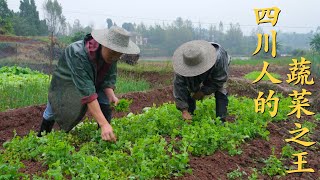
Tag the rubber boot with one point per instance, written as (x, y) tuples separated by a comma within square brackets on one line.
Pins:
[(46, 126), (221, 105), (192, 105)]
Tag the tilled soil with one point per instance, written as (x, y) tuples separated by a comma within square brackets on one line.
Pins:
[(19, 39), (218, 165)]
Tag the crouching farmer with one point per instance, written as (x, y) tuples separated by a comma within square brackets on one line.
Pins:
[(85, 78), (201, 68)]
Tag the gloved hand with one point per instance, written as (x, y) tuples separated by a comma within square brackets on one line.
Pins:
[(198, 95)]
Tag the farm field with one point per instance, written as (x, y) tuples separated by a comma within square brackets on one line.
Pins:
[(154, 142)]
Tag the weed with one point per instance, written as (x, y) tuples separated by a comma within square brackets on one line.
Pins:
[(273, 166), (236, 174)]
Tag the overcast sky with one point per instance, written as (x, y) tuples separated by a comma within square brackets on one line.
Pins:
[(296, 15)]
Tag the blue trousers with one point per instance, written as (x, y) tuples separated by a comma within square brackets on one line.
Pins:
[(103, 102)]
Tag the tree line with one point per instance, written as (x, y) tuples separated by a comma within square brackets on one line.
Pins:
[(165, 38), (160, 39)]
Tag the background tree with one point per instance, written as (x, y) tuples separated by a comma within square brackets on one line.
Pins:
[(26, 22), (315, 43), (5, 18), (218, 35), (178, 33), (77, 27), (142, 29), (234, 39), (128, 26), (89, 28), (109, 23), (221, 28), (54, 17), (157, 35), (211, 31)]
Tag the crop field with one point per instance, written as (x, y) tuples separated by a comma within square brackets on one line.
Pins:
[(153, 141)]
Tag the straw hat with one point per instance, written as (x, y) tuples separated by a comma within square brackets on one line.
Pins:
[(194, 58), (117, 39)]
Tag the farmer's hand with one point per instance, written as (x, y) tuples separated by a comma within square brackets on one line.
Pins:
[(107, 133), (186, 115), (114, 99), (198, 95), (111, 96)]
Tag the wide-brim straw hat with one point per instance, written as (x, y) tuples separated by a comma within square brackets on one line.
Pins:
[(116, 39), (194, 58)]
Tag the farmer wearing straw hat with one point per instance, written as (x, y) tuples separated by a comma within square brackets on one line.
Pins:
[(85, 78), (201, 68)]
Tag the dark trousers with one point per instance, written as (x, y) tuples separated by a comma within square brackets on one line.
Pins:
[(104, 105), (107, 112), (221, 105)]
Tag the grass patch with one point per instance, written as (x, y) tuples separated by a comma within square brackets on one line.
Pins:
[(21, 87), (45, 39), (126, 84), (283, 61), (10, 61), (315, 65), (255, 74), (22, 96), (146, 66)]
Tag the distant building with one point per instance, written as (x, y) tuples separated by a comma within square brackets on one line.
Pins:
[(138, 39)]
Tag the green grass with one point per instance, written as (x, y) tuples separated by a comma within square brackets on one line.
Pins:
[(21, 90), (125, 85), (146, 66), (278, 61), (45, 39), (283, 61), (315, 65), (37, 93), (24, 95), (22, 87), (254, 75)]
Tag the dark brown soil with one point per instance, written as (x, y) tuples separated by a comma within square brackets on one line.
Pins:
[(254, 152), (19, 39), (7, 51), (33, 167)]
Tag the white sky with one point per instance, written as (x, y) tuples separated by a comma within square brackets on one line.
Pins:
[(296, 15)]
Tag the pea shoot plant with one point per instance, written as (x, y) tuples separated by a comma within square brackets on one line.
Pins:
[(155, 144)]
